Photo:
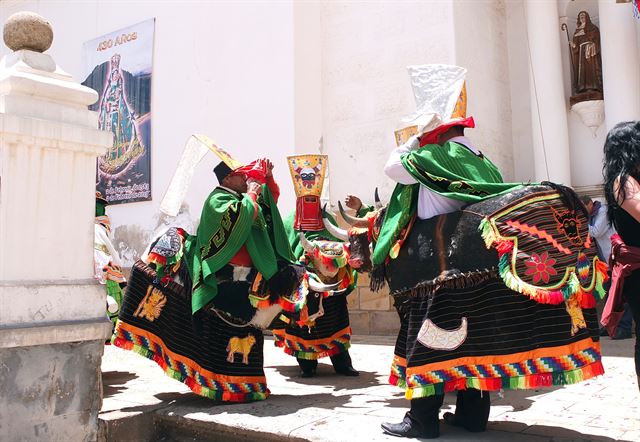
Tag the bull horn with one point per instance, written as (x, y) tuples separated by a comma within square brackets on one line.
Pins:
[(304, 242), (353, 220), (334, 230), (320, 287), (376, 198)]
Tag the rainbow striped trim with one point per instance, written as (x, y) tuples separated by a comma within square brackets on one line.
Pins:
[(398, 376), (187, 371), (316, 349), (529, 374)]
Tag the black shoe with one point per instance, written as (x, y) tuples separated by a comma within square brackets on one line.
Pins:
[(409, 428), (342, 364), (348, 371), (450, 418), (603, 332), (621, 334)]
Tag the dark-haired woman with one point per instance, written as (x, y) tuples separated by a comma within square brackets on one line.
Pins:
[(622, 190)]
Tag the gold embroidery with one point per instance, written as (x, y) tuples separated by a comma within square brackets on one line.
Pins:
[(240, 345), (151, 305), (575, 312)]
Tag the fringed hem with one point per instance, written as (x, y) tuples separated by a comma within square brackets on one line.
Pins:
[(457, 280), (377, 277), (319, 349), (313, 355), (527, 382), (222, 394), (571, 286)]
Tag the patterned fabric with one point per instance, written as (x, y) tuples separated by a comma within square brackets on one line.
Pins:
[(545, 250), (220, 360), (330, 335), (513, 342)]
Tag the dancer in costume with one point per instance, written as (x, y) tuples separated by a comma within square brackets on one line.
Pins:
[(199, 307), (441, 147), (328, 334), (622, 190), (107, 265), (452, 337)]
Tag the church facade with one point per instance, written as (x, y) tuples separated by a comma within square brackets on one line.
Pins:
[(283, 78)]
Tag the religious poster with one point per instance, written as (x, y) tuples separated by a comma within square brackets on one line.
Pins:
[(118, 67)]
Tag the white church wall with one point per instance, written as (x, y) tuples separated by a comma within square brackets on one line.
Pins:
[(365, 87), (220, 68), (522, 138), (480, 33)]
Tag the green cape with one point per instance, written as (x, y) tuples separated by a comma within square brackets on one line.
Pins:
[(451, 170), (226, 224)]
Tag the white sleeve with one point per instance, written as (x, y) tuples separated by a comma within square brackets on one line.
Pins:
[(394, 168)]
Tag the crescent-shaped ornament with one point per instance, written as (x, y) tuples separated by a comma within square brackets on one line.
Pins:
[(436, 338)]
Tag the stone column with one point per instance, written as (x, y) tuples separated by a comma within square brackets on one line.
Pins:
[(620, 62), (548, 108), (52, 312)]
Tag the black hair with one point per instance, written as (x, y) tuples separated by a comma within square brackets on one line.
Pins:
[(586, 199), (621, 159)]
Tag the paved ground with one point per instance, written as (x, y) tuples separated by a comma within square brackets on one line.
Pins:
[(141, 403)]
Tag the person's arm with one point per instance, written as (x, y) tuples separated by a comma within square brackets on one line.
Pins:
[(253, 191), (631, 203), (394, 168)]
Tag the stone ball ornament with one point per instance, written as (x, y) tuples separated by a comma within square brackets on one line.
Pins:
[(27, 30)]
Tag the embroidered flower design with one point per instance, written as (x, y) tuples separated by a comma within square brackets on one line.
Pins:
[(541, 267)]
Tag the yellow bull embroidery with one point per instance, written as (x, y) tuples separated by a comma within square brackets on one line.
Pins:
[(240, 345)]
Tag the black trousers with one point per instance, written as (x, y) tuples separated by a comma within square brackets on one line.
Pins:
[(472, 410), (340, 361), (631, 293)]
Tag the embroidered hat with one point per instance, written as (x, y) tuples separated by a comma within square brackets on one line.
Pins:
[(441, 102)]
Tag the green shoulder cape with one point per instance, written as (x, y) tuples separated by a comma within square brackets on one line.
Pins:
[(226, 224), (451, 170)]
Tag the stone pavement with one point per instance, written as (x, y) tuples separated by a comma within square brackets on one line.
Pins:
[(141, 403)]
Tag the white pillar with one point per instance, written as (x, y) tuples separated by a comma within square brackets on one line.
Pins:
[(620, 62), (52, 311), (548, 108)]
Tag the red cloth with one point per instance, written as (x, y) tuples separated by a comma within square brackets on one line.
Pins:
[(256, 170), (623, 261), (242, 258), (432, 137)]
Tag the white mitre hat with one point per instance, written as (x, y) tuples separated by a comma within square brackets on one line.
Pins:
[(441, 102)]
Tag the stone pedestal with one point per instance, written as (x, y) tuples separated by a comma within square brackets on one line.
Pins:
[(52, 312)]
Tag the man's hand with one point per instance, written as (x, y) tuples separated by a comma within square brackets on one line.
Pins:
[(269, 167), (254, 187), (353, 202)]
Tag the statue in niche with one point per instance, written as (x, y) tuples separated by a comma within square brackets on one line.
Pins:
[(586, 61)]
